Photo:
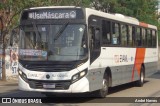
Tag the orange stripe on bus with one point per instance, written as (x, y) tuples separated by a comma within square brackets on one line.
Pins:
[(143, 24), (139, 59)]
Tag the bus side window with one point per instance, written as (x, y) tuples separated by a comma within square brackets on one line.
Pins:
[(94, 42), (149, 38), (130, 38), (143, 37), (154, 38), (91, 33), (138, 37), (106, 32), (95, 38), (115, 33), (134, 36), (124, 35)]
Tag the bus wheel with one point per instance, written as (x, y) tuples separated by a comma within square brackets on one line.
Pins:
[(140, 82), (104, 90)]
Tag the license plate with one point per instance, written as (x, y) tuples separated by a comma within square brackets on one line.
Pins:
[(49, 86)]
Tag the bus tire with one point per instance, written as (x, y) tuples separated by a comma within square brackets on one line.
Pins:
[(105, 85), (140, 82)]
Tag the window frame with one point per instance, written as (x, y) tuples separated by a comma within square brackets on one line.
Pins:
[(129, 34)]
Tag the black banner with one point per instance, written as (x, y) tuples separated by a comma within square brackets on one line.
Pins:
[(80, 100), (53, 13)]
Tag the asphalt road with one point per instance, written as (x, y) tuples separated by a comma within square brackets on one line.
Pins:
[(151, 88)]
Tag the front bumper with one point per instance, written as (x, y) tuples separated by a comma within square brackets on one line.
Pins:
[(79, 86)]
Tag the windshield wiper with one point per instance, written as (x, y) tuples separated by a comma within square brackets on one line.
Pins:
[(60, 31), (37, 33)]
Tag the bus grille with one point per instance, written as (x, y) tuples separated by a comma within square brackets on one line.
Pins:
[(59, 85), (50, 68)]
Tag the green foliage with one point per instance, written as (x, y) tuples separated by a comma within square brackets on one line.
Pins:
[(144, 10), (15, 7)]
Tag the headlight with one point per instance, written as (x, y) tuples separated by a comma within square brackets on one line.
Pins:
[(22, 75), (79, 75)]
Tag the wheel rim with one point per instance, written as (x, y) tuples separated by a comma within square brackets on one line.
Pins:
[(142, 77), (104, 86)]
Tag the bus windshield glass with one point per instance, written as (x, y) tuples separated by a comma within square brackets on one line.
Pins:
[(65, 42)]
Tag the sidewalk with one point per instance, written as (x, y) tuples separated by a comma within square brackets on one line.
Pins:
[(7, 87), (13, 80), (10, 80), (8, 83)]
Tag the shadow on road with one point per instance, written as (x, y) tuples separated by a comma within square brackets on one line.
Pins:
[(156, 75), (70, 98), (123, 87), (90, 97), (73, 98)]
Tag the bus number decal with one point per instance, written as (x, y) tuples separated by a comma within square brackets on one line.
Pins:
[(14, 70), (120, 58), (14, 67), (123, 58), (116, 57)]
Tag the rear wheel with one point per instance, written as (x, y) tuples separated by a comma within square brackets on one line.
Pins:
[(140, 82), (104, 90)]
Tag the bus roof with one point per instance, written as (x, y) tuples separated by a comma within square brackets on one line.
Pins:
[(50, 7), (118, 17)]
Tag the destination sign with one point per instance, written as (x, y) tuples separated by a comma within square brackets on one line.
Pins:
[(52, 14)]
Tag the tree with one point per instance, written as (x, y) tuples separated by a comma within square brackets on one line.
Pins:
[(10, 12), (144, 10), (104, 5)]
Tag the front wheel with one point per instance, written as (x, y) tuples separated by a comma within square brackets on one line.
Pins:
[(104, 90), (140, 82)]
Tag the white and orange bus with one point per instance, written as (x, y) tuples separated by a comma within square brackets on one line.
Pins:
[(67, 49)]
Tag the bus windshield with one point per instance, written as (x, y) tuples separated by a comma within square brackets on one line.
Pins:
[(65, 42)]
